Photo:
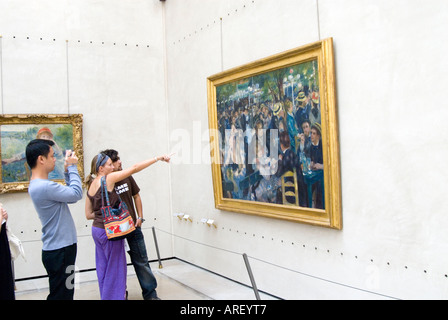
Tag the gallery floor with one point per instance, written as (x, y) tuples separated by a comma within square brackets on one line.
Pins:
[(177, 280)]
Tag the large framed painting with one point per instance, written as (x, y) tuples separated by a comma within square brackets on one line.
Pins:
[(274, 137), (15, 133)]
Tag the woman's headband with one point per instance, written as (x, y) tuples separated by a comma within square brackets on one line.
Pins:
[(101, 160)]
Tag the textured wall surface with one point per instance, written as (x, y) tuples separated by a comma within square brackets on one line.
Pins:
[(390, 74)]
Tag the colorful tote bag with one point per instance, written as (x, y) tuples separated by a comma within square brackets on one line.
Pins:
[(118, 222)]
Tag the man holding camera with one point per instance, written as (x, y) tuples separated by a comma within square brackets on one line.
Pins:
[(51, 201)]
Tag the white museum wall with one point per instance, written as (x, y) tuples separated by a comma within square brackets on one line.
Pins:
[(390, 76), (111, 70)]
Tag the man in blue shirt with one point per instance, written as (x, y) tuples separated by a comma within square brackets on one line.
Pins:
[(51, 201)]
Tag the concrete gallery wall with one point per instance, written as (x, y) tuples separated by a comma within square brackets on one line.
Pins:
[(111, 70), (391, 72), (141, 67)]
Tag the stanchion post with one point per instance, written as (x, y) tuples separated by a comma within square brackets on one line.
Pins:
[(251, 276), (157, 247)]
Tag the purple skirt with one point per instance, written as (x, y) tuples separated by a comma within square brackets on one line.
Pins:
[(111, 267)]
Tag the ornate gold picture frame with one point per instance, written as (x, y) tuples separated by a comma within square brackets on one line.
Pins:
[(15, 133), (274, 137)]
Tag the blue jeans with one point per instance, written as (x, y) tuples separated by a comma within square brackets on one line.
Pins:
[(139, 259)]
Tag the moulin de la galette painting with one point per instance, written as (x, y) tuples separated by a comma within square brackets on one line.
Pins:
[(274, 139)]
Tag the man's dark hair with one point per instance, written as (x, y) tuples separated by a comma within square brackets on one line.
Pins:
[(112, 154), (36, 148), (307, 121), (284, 139)]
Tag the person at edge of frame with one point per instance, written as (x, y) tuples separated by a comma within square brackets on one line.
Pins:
[(6, 274)]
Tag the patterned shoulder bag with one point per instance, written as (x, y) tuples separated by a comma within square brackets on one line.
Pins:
[(118, 222)]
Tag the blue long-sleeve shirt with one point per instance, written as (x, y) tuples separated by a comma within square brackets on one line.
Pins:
[(51, 201)]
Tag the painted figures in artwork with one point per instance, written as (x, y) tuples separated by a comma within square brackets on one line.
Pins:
[(271, 137), (14, 138)]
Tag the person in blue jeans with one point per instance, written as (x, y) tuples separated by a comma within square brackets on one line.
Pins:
[(128, 190)]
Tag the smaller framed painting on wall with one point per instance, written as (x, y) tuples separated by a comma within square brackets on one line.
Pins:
[(16, 131)]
